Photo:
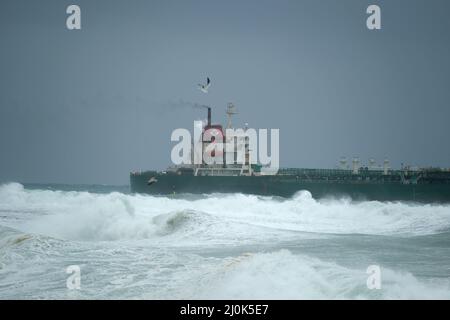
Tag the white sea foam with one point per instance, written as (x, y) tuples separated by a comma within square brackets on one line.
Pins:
[(35, 268), (116, 216), (283, 275), (219, 246)]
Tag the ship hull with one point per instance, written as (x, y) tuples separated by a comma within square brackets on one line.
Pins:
[(286, 186)]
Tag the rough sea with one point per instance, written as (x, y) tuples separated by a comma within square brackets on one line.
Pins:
[(220, 246)]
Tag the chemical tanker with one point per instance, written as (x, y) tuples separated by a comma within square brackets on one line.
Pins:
[(358, 182)]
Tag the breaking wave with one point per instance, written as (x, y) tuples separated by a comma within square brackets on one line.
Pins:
[(283, 275), (125, 273), (221, 246), (117, 216)]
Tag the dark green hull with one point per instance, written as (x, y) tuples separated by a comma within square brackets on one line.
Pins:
[(288, 185)]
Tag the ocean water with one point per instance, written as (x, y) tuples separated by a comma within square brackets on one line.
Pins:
[(220, 246)]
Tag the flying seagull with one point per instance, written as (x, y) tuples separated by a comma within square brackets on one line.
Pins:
[(204, 88)]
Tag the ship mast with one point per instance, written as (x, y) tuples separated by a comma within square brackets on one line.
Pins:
[(231, 109)]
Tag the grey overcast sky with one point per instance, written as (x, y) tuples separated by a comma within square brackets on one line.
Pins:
[(89, 106)]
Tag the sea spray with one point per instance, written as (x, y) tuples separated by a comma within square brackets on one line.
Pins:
[(218, 246)]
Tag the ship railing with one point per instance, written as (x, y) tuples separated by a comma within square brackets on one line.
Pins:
[(217, 171)]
